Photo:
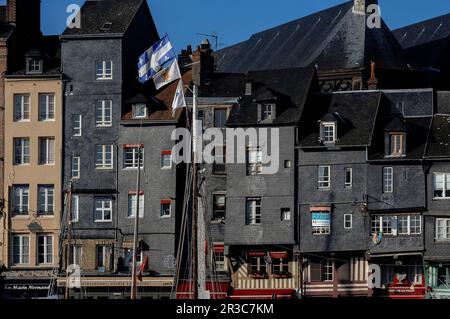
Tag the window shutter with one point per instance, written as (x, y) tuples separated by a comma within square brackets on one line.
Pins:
[(316, 271), (259, 112)]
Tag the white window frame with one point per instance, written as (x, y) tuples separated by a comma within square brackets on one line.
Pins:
[(22, 107), (140, 105), (161, 211), (132, 199), (251, 211), (163, 157), (445, 190), (445, 229), (24, 193), (268, 111), (286, 214), (134, 161), (105, 256), (326, 126), (324, 181), (321, 230), (348, 218), (220, 265), (327, 274), (254, 161), (348, 184), (103, 148), (75, 208), (103, 110), (45, 142), (221, 109), (395, 144), (22, 151), (77, 124), (47, 255), (214, 206), (73, 254), (24, 254), (380, 223), (46, 107), (103, 68), (388, 180), (49, 205), (103, 209), (76, 162)]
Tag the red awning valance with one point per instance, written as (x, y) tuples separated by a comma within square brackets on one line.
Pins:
[(219, 248), (320, 209), (165, 201), (278, 254), (166, 152), (256, 253)]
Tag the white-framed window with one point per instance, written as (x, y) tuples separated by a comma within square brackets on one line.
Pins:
[(327, 268), (280, 265), (46, 199), (21, 196), (103, 253), (132, 207), (103, 113), (285, 214), (258, 264), (321, 222), (219, 261), (46, 151), (22, 151), (75, 208), (103, 209), (130, 156), (220, 117), (383, 224), (329, 132), (348, 178), (76, 161), (21, 107), (140, 111), (253, 211), (441, 185), (21, 249), (76, 255), (348, 221), (254, 161), (104, 157), (104, 70), (165, 210), (443, 228), (324, 177), (34, 65), (395, 144), (76, 124), (166, 159), (46, 107), (388, 180), (268, 111), (45, 249), (409, 224), (219, 206)]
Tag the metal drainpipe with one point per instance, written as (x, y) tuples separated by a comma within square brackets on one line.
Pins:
[(117, 209)]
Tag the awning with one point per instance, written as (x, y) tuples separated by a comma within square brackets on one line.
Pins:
[(413, 253), (320, 209), (219, 247), (256, 253), (278, 254)]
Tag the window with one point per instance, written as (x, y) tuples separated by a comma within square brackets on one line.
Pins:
[(327, 270), (388, 180), (45, 249), (285, 214), (382, 224), (403, 225), (46, 151), (219, 261), (280, 265), (324, 177), (21, 249), (322, 270), (321, 222), (102, 260), (21, 107), (165, 209), (22, 151), (76, 125), (46, 199), (254, 161), (348, 178), (104, 70), (132, 200), (104, 159), (287, 164), (130, 156), (219, 206), (220, 117), (103, 113), (441, 185), (395, 144), (258, 263), (329, 132), (443, 228), (268, 112), (139, 111), (47, 107), (75, 167), (201, 117), (34, 65), (166, 159), (253, 211), (219, 166), (103, 209), (21, 199), (76, 255), (348, 221), (409, 224), (75, 208)]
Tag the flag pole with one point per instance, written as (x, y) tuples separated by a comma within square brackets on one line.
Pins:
[(194, 195), (136, 228)]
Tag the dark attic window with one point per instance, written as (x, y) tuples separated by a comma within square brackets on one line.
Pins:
[(34, 65), (267, 111), (106, 26)]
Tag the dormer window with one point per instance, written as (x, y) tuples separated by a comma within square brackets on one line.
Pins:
[(34, 65), (106, 26), (139, 111), (268, 111), (395, 144), (329, 132)]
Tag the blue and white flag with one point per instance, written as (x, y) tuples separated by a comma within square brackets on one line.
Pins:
[(167, 75), (178, 100), (154, 59)]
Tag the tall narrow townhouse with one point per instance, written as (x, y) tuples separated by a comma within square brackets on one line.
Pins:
[(261, 239), (99, 61), (33, 166), (334, 135), (437, 217), (396, 192), (19, 24)]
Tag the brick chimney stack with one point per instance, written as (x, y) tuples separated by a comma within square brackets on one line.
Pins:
[(205, 69), (24, 14)]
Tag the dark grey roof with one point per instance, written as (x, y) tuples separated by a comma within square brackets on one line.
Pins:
[(223, 85), (95, 13), (335, 38), (396, 124), (289, 87), (6, 30), (355, 114), (439, 140)]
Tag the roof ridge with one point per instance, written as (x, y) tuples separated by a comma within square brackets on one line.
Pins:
[(420, 22)]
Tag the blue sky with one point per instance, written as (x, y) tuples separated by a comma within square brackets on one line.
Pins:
[(236, 20)]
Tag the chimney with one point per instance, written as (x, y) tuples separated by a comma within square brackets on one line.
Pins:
[(372, 84), (360, 6), (24, 14), (204, 68)]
